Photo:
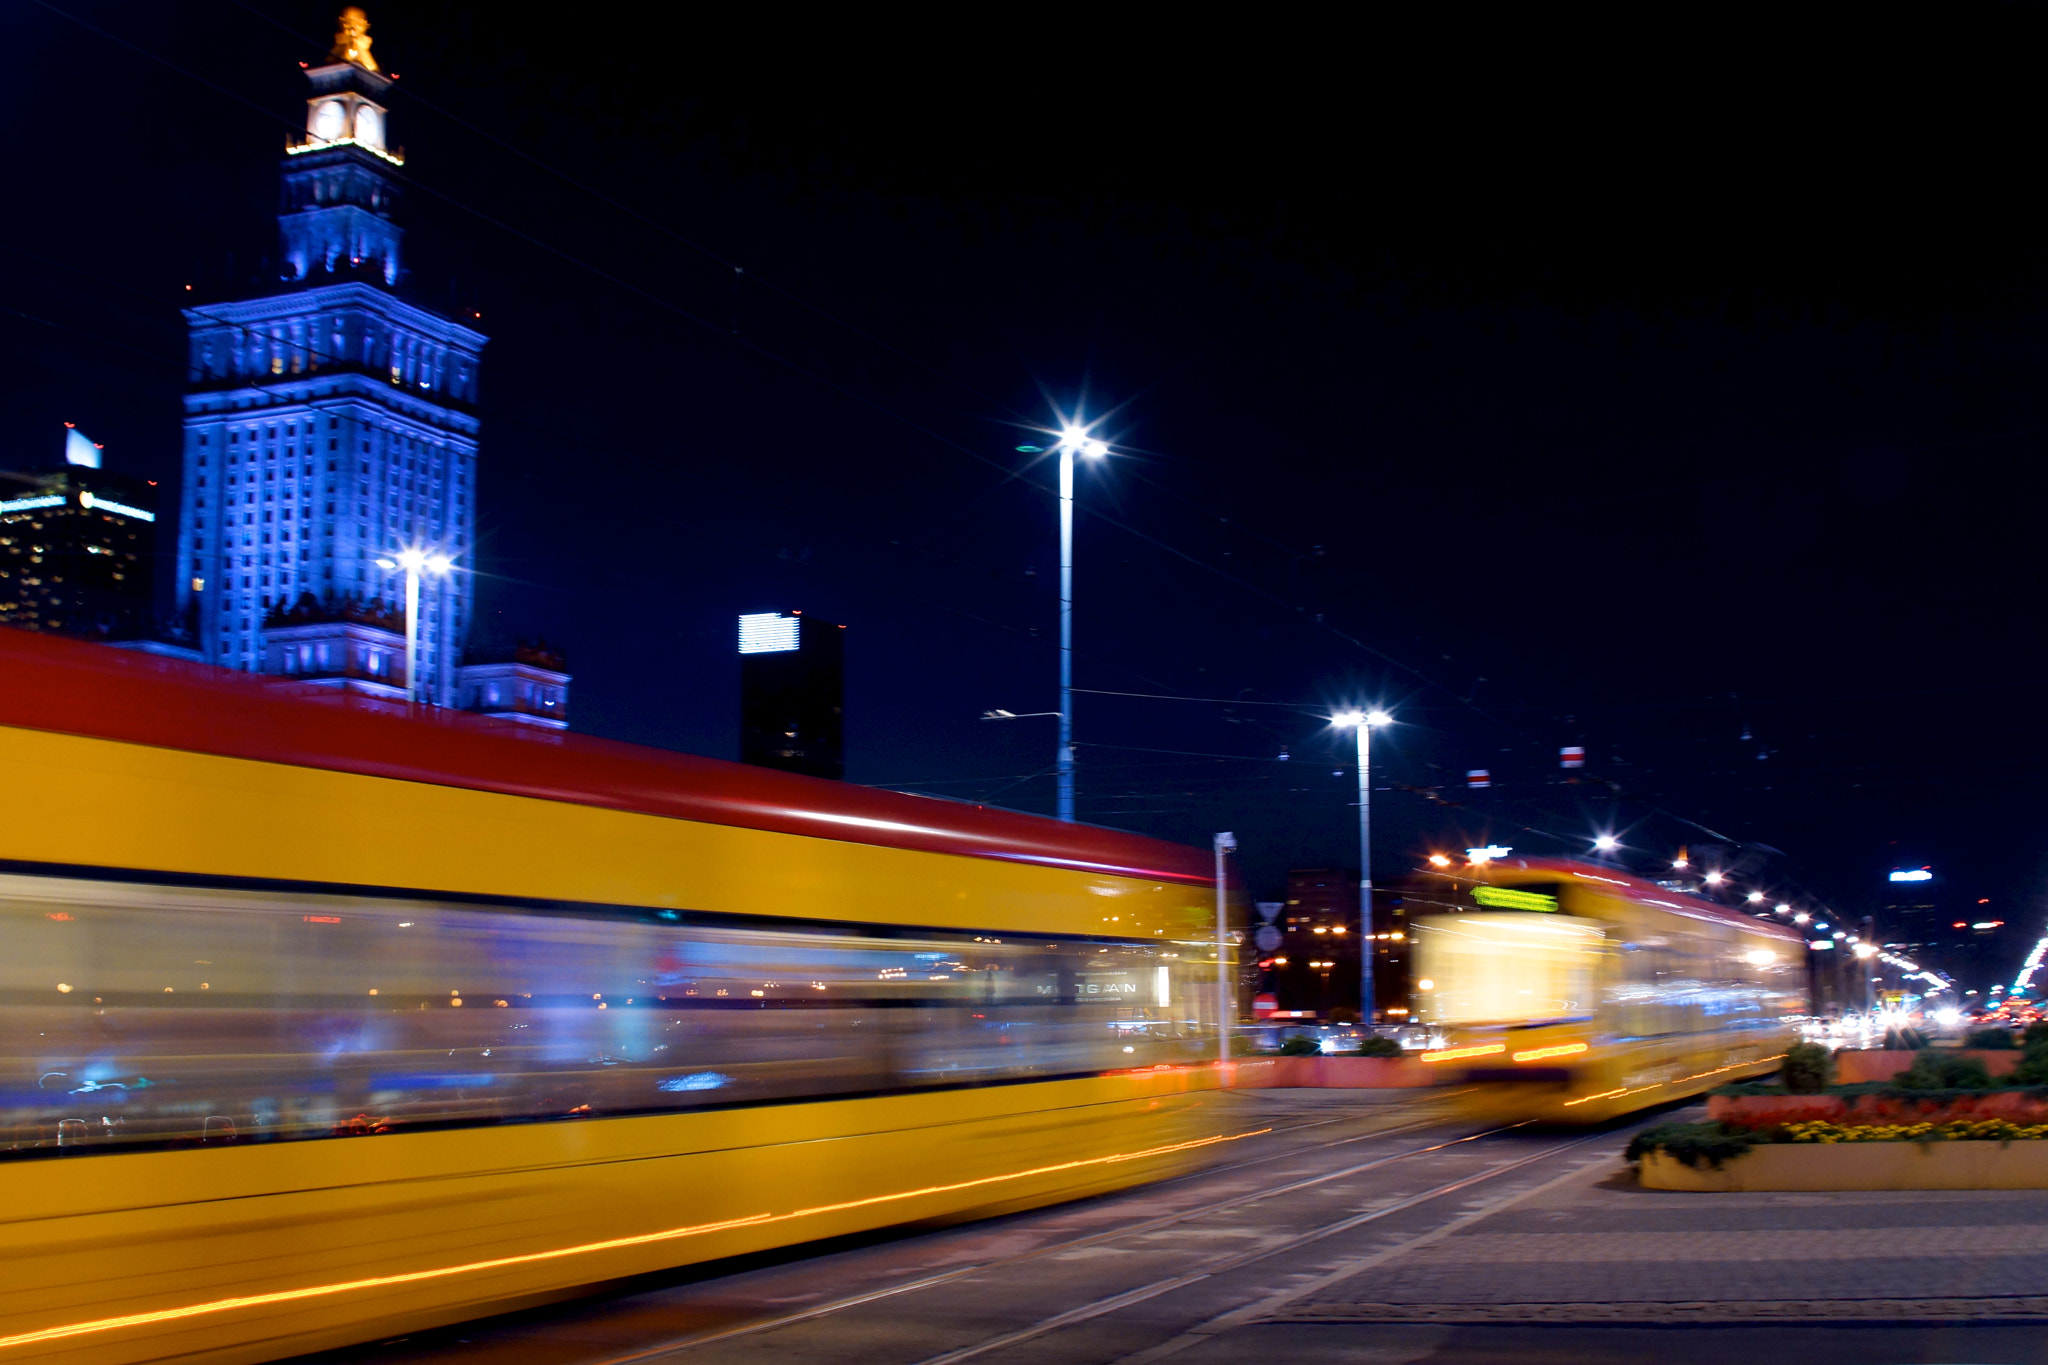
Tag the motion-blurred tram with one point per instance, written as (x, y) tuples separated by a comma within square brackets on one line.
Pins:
[(320, 1023), (1573, 993)]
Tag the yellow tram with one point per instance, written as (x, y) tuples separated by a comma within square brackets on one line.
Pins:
[(320, 1023), (1573, 993)]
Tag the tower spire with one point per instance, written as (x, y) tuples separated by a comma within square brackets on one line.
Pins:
[(338, 190), (352, 44)]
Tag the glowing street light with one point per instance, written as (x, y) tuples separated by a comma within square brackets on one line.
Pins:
[(1362, 722), (1757, 898), (1714, 879), (1605, 843), (1074, 440), (415, 562)]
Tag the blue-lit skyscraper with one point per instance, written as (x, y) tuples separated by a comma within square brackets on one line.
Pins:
[(330, 423)]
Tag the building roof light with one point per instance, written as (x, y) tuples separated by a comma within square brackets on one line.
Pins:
[(768, 632)]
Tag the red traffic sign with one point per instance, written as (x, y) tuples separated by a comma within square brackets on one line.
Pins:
[(1572, 756), (1479, 777)]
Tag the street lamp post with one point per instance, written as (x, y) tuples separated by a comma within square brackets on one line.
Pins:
[(1226, 985), (414, 562), (1362, 722), (1073, 440)]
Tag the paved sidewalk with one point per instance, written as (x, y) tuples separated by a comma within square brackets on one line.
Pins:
[(1599, 1249)]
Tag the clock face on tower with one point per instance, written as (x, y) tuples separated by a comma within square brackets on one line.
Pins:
[(330, 121), (369, 126)]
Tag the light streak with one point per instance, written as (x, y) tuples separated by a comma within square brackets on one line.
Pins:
[(91, 502), (2033, 965), (322, 144), (1454, 1053), (78, 1329), (1537, 1054), (1697, 1076)]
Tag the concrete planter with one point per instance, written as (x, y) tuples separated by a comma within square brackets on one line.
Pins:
[(1861, 1166), (1854, 1067), (1330, 1073)]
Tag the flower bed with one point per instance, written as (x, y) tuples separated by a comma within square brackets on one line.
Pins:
[(1878, 1104), (1959, 1130)]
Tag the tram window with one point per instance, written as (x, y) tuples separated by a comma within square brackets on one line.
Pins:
[(151, 1008)]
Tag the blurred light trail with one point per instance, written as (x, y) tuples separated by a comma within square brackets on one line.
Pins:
[(78, 1329)]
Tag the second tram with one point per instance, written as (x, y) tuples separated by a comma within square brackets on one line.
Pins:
[(1573, 993)]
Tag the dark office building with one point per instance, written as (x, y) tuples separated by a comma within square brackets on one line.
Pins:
[(77, 544), (792, 694), (1315, 965), (1947, 931)]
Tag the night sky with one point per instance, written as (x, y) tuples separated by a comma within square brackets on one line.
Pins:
[(1671, 391)]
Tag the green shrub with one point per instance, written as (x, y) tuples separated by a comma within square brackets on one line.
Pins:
[(1379, 1047), (1808, 1068), (2032, 1070), (1933, 1070), (2035, 1036), (1300, 1047), (1693, 1143), (1991, 1040), (1904, 1040)]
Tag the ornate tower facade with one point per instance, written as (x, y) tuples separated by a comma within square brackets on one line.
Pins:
[(330, 424)]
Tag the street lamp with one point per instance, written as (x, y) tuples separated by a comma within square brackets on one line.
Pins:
[(1362, 722), (1073, 440), (415, 562)]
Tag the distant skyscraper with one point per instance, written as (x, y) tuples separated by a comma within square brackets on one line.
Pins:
[(330, 423), (77, 543), (792, 694)]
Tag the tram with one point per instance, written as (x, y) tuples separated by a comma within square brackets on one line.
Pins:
[(321, 1023), (1573, 993)]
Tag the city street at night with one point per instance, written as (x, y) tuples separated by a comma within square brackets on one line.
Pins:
[(712, 684)]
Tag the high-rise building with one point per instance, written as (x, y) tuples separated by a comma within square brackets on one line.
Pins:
[(330, 422), (77, 543), (792, 694)]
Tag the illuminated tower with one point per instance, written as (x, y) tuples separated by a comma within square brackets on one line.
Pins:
[(330, 423)]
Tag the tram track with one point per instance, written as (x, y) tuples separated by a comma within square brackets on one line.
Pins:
[(1132, 1297), (680, 1346)]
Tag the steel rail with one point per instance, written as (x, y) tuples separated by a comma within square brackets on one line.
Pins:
[(679, 1345), (1102, 1307)]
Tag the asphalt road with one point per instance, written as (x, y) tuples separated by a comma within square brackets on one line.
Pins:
[(1366, 1228)]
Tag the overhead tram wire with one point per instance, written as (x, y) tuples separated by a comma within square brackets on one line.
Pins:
[(636, 215), (572, 438), (1009, 472), (568, 257), (863, 400), (1303, 708), (648, 296)]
